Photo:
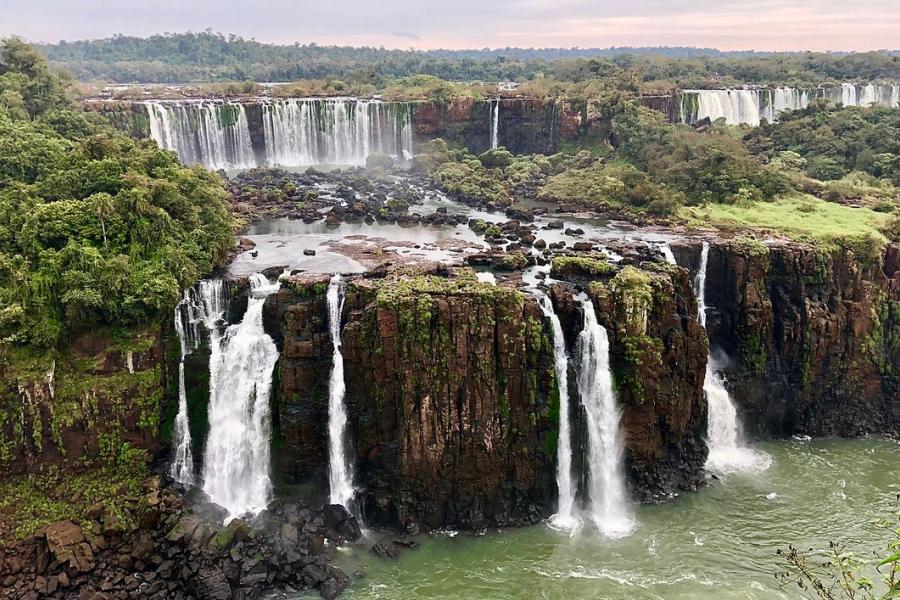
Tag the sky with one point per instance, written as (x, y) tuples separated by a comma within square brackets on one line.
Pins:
[(818, 25)]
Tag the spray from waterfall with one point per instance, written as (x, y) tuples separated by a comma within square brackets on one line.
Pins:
[(609, 504), (727, 454), (340, 471), (236, 460), (565, 515)]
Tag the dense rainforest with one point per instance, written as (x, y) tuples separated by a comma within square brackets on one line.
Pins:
[(96, 229), (208, 56)]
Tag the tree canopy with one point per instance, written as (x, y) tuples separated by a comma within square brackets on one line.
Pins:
[(95, 228)]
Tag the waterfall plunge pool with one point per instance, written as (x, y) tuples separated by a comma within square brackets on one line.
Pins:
[(717, 543)]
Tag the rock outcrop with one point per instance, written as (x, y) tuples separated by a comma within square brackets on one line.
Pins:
[(812, 334), (152, 547)]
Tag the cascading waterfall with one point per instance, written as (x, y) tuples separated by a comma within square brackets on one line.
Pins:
[(749, 106), (213, 134), (726, 452), (495, 122), (204, 306), (236, 460), (564, 517), (609, 506), (335, 131), (340, 471)]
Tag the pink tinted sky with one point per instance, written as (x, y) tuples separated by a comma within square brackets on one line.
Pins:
[(760, 24)]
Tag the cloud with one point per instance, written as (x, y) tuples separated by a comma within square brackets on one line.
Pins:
[(406, 35), (762, 24)]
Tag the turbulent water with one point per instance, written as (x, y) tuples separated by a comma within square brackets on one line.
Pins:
[(236, 460), (213, 134), (565, 512), (201, 306), (340, 471), (295, 132), (495, 122), (727, 453), (751, 106), (609, 507), (335, 131), (717, 543)]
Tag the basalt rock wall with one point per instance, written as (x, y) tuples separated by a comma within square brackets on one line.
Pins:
[(811, 336)]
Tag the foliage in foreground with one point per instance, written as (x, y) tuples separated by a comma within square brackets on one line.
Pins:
[(838, 574)]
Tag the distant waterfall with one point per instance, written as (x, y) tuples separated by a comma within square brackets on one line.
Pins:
[(340, 471), (495, 122), (213, 134), (236, 461), (750, 106), (205, 306), (564, 517), (335, 131), (726, 452), (610, 510)]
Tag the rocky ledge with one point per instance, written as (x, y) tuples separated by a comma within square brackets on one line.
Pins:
[(158, 548)]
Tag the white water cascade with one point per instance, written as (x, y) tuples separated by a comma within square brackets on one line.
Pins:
[(565, 516), (726, 452), (340, 471), (749, 106), (236, 460), (204, 306), (340, 131), (609, 505), (495, 123), (213, 134)]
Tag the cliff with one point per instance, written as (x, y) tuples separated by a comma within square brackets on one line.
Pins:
[(812, 334)]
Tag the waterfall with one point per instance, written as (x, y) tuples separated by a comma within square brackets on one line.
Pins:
[(182, 467), (204, 306), (340, 471), (495, 122), (667, 253), (564, 517), (726, 452), (606, 484), (213, 134), (236, 460), (751, 106), (345, 131)]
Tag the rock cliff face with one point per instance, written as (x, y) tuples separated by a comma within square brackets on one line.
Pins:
[(813, 335), (78, 406), (658, 358), (449, 386), (452, 399)]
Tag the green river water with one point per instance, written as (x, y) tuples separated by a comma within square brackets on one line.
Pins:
[(718, 543)]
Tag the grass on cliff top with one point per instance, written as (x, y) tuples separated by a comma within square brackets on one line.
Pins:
[(800, 217)]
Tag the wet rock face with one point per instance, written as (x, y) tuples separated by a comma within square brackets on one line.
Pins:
[(55, 408), (450, 404), (525, 125), (448, 396), (813, 337), (658, 359)]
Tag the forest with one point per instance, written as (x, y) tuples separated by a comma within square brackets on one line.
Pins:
[(209, 57)]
